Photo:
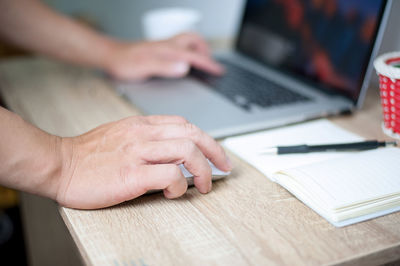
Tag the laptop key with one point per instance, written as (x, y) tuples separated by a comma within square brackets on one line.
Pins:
[(246, 89)]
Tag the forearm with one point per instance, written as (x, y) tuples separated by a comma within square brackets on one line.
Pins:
[(30, 158), (32, 25)]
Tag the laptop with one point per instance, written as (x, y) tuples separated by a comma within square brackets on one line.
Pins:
[(293, 60)]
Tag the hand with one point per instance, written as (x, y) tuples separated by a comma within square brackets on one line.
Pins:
[(170, 58), (122, 160)]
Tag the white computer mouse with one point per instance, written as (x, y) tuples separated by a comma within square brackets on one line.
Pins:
[(216, 175)]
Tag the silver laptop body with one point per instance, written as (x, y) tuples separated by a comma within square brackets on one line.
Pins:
[(223, 115)]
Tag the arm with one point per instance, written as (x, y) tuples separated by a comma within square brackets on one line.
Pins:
[(29, 158), (32, 25), (113, 163)]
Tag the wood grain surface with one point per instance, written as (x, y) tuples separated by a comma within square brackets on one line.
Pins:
[(245, 220)]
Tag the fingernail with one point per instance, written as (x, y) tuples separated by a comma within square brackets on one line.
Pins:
[(180, 68)]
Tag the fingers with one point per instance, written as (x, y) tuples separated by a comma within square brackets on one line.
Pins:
[(172, 140), (176, 63), (171, 58), (192, 41), (167, 177), (209, 147), (191, 48), (163, 127), (200, 61), (158, 67), (179, 151)]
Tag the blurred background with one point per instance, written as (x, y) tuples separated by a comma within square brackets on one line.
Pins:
[(122, 19), (219, 25)]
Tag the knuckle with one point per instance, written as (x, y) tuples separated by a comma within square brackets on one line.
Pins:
[(191, 129), (189, 147), (140, 120), (139, 129), (129, 148), (180, 119), (133, 122), (155, 131)]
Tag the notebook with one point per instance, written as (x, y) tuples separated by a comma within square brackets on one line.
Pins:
[(343, 187)]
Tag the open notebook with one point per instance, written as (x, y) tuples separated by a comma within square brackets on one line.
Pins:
[(344, 188)]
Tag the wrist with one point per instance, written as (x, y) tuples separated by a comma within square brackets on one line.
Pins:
[(30, 159), (67, 166), (41, 170), (110, 50), (52, 169)]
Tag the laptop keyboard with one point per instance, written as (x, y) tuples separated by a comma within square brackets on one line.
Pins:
[(247, 89)]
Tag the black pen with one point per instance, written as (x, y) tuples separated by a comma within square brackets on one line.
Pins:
[(355, 146)]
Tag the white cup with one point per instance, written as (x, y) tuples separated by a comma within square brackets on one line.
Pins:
[(163, 23)]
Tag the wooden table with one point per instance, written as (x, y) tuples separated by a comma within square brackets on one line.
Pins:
[(245, 220)]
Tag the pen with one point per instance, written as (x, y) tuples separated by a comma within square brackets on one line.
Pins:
[(355, 146)]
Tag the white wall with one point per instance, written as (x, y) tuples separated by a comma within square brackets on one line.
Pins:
[(121, 18)]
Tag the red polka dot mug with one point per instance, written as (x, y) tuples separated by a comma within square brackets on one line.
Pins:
[(387, 67)]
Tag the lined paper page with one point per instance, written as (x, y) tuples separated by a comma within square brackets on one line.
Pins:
[(352, 179), (320, 131)]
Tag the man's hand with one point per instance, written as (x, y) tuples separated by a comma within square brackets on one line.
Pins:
[(169, 58), (122, 160), (26, 23)]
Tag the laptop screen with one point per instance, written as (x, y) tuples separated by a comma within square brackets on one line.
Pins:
[(324, 42)]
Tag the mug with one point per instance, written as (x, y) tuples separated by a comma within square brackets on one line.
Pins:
[(163, 23), (387, 67)]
